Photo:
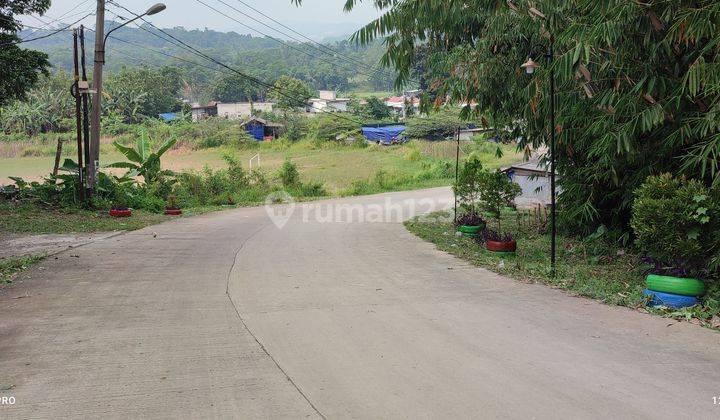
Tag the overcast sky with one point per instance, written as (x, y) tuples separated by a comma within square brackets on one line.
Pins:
[(316, 18)]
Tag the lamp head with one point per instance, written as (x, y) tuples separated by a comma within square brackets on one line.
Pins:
[(530, 66), (156, 8)]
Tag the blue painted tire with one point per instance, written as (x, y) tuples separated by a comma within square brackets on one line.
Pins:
[(670, 300)]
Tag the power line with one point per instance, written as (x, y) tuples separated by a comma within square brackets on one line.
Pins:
[(238, 72), (333, 63), (322, 48), (55, 32)]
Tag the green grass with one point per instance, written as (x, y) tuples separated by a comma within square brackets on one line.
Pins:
[(11, 267), (591, 269), (336, 166), (33, 219)]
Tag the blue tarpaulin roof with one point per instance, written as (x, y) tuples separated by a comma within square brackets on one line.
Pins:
[(169, 116), (387, 134)]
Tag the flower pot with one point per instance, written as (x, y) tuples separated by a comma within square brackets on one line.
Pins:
[(505, 247), (173, 212), (120, 213), (669, 299), (675, 285), (470, 230)]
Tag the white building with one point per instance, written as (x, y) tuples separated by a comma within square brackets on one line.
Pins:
[(239, 110), (327, 102)]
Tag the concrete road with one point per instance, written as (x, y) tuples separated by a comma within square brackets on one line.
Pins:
[(340, 314)]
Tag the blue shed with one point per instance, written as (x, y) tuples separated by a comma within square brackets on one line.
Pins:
[(259, 129)]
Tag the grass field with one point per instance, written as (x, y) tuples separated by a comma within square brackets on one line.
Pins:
[(337, 166)]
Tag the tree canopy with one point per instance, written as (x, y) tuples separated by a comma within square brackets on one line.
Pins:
[(638, 86), (290, 93), (21, 68)]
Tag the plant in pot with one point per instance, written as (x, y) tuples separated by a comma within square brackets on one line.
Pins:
[(467, 193), (172, 208), (496, 192), (675, 222), (121, 201)]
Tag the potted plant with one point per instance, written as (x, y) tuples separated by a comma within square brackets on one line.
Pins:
[(172, 208), (675, 221), (499, 243), (120, 202), (467, 193), (470, 224), (496, 192)]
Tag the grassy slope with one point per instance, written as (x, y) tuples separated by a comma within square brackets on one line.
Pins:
[(593, 270), (334, 165)]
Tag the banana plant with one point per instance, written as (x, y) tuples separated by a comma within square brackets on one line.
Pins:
[(142, 161)]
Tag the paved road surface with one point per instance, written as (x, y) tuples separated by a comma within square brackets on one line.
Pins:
[(225, 315)]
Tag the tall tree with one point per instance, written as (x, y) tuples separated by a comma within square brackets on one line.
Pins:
[(638, 86), (20, 67), (290, 93), (233, 88)]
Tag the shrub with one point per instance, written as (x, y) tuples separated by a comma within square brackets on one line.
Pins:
[(676, 221), (289, 175), (467, 187), (433, 127), (496, 191)]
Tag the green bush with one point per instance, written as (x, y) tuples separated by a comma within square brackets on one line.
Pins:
[(676, 222), (433, 127), (289, 175)]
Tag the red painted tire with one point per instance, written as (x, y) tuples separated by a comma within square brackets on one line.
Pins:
[(495, 246), (120, 213), (173, 212)]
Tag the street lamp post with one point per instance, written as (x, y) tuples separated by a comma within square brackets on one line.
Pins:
[(530, 67), (100, 40)]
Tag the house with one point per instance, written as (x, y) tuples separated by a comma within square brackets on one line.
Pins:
[(327, 102), (239, 110), (200, 112), (534, 180), (261, 129), (399, 104)]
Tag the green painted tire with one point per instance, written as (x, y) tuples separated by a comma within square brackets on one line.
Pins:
[(675, 285), (470, 229)]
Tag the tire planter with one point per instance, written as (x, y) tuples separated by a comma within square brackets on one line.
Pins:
[(120, 213), (173, 212), (501, 247), (470, 230), (675, 285), (670, 300)]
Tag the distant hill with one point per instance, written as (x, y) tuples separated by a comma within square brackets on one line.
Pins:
[(339, 65)]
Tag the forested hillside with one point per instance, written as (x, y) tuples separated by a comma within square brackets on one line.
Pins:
[(341, 66)]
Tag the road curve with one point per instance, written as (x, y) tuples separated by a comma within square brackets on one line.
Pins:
[(340, 313)]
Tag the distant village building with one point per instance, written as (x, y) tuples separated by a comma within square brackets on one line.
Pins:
[(401, 105), (230, 110), (200, 112), (261, 129), (239, 110), (327, 102), (534, 180)]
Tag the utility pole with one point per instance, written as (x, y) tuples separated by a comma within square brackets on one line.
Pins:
[(78, 120), (94, 161), (85, 106)]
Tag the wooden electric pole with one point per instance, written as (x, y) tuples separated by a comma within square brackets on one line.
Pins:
[(94, 161)]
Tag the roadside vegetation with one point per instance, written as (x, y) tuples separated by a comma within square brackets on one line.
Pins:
[(9, 268), (593, 266)]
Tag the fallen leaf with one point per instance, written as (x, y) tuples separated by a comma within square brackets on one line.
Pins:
[(585, 72)]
